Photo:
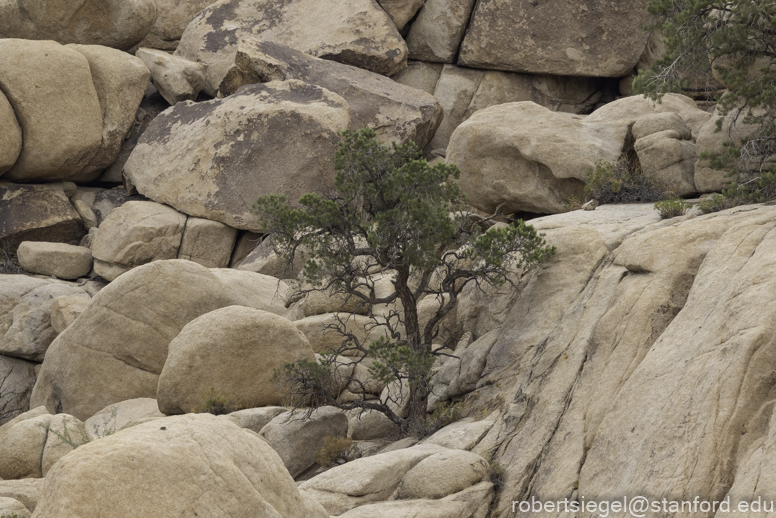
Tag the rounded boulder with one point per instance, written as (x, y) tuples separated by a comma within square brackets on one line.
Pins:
[(233, 350)]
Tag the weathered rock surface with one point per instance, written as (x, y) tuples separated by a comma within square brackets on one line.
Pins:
[(256, 418), (565, 38), (116, 23), (297, 439), (396, 112), (355, 32), (669, 156), (29, 331), (185, 465), (401, 11), (436, 34), (254, 290), (117, 348), (707, 178), (629, 109), (50, 88), (233, 350), (464, 91), (65, 309), (378, 477), (263, 259), (134, 234), (371, 425), (17, 377), (239, 148), (65, 434), (120, 416), (177, 79), (420, 75), (324, 340), (207, 242), (22, 440), (37, 213), (27, 491), (10, 135), (171, 20), (13, 507), (529, 158), (57, 259), (120, 81)]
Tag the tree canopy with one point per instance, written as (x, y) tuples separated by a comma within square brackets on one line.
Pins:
[(392, 213)]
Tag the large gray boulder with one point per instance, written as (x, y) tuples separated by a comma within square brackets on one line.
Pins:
[(396, 112), (10, 135), (22, 441), (118, 346), (207, 242), (235, 351), (197, 465), (355, 32), (120, 80), (177, 79), (238, 148), (17, 377), (37, 213), (597, 38), (51, 90), (114, 23), (666, 151), (529, 158)]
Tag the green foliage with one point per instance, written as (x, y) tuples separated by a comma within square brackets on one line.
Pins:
[(621, 182), (217, 403), (335, 450), (760, 189), (672, 207), (79, 438), (572, 203), (391, 212), (734, 41)]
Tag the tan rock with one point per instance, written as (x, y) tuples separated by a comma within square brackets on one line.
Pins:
[(443, 474), (137, 233), (296, 438), (37, 213), (120, 416), (118, 24), (653, 123), (437, 32), (116, 349), (65, 309), (354, 32), (255, 419), (233, 171), (27, 491), (22, 440), (464, 434), (88, 217), (233, 350), (550, 38), (671, 160), (420, 75), (13, 507), (57, 259), (455, 89), (172, 18), (120, 81), (65, 434), (254, 290), (370, 425), (707, 178), (207, 242), (630, 109), (396, 112), (174, 473), (177, 79), (246, 242), (29, 332), (401, 11), (10, 135), (51, 90), (324, 340), (263, 259), (529, 158)]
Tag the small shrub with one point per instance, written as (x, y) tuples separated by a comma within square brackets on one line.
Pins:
[(82, 436), (335, 450), (217, 403), (760, 189), (715, 203), (9, 264), (672, 207), (444, 414), (622, 182), (498, 474), (572, 203)]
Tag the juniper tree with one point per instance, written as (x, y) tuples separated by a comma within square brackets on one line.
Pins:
[(733, 41), (391, 212)]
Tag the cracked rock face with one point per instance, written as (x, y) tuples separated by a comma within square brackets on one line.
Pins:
[(355, 32), (214, 159)]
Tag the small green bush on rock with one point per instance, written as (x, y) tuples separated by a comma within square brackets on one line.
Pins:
[(217, 403), (622, 182), (334, 451), (672, 208)]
